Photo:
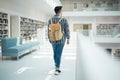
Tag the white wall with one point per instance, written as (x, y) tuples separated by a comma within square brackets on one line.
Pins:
[(94, 63), (91, 13), (93, 21), (68, 4), (109, 20)]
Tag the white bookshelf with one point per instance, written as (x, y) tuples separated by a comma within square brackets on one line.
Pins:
[(4, 25), (107, 33), (108, 30), (102, 5), (25, 28)]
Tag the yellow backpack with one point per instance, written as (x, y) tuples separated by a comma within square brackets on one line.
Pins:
[(55, 32)]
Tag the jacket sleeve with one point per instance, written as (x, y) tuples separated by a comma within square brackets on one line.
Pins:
[(66, 29), (48, 30)]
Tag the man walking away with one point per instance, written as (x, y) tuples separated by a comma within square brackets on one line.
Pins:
[(58, 32)]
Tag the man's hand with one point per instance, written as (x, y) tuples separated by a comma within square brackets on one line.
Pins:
[(68, 41)]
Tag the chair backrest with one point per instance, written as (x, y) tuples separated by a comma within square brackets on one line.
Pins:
[(10, 42)]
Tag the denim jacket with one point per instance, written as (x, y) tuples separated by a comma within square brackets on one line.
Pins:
[(64, 27)]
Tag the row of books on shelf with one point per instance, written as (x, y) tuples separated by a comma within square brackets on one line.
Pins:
[(3, 31), (102, 3), (27, 20), (3, 15), (30, 24), (25, 24), (29, 28), (3, 21), (104, 33), (104, 27), (40, 24), (27, 38), (28, 34), (107, 34), (3, 36), (3, 27), (108, 25), (28, 31)]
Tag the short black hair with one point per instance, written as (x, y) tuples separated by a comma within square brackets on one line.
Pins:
[(57, 9)]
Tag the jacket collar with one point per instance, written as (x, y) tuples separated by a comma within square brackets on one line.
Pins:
[(57, 15)]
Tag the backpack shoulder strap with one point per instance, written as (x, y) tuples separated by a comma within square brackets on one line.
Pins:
[(59, 20), (51, 21)]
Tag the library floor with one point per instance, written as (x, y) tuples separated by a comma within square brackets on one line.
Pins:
[(38, 65)]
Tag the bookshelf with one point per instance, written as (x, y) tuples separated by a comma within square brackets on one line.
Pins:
[(25, 28), (107, 33), (108, 30), (102, 5), (4, 25)]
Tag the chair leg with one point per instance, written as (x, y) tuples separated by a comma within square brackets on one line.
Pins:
[(17, 57), (38, 47), (2, 57)]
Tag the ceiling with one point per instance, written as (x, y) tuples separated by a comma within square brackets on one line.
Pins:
[(82, 1), (26, 7)]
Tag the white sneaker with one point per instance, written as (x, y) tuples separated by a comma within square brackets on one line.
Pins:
[(57, 72)]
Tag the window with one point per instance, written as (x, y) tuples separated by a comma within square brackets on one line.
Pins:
[(75, 6), (98, 5), (87, 5), (110, 5), (85, 26)]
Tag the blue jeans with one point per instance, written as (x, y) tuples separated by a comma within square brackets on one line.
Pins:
[(57, 49)]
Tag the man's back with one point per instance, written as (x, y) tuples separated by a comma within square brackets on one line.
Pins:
[(64, 26)]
